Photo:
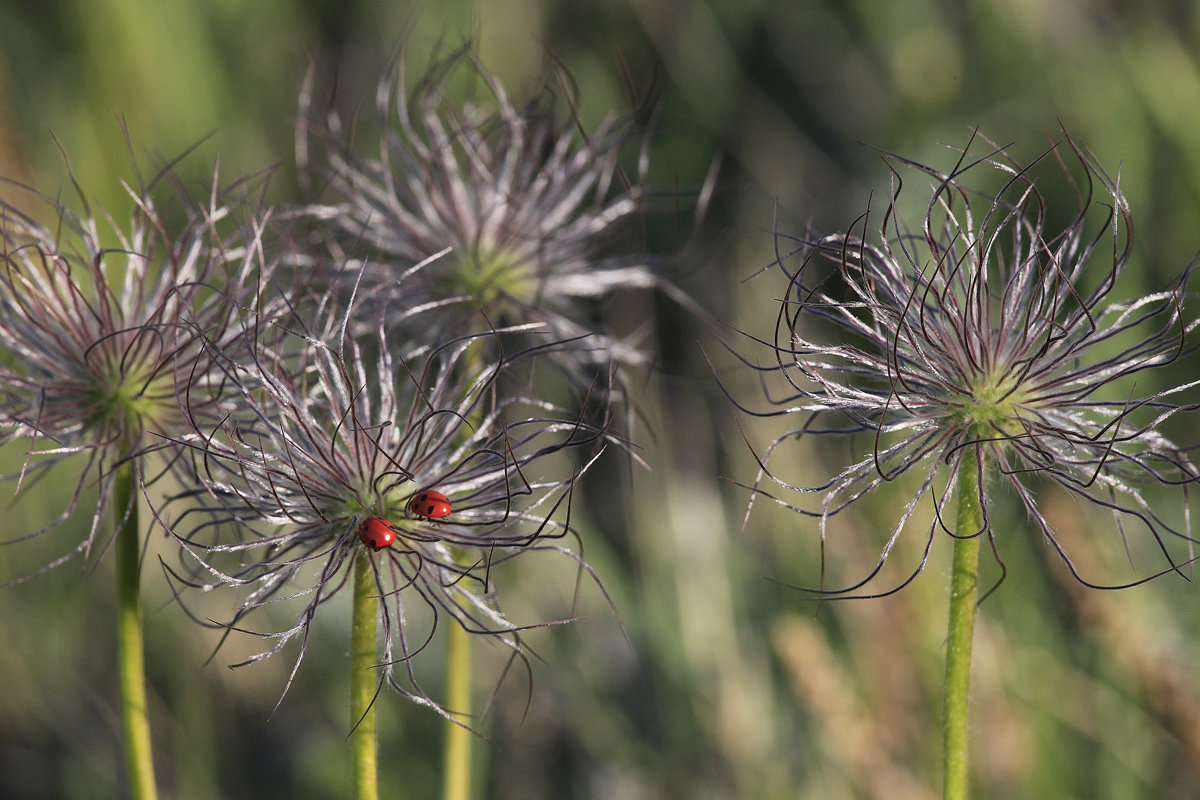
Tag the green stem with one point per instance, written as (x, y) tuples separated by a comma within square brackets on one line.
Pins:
[(130, 645), (362, 680), (457, 767), (963, 593)]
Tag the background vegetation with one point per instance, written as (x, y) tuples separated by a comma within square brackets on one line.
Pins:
[(733, 686)]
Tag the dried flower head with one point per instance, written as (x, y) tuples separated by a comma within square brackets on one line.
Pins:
[(341, 453), (100, 337), (986, 336), (512, 214)]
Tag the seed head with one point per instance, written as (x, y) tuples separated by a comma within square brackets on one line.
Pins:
[(101, 338), (985, 335), (340, 453), (512, 213)]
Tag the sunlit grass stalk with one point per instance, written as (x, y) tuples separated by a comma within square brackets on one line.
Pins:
[(964, 585), (135, 719), (363, 624)]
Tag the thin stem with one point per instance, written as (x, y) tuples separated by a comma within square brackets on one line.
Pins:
[(964, 587), (363, 740), (136, 722), (457, 766)]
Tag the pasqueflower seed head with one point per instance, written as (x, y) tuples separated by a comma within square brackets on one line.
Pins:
[(512, 213), (100, 325), (985, 337), (341, 453)]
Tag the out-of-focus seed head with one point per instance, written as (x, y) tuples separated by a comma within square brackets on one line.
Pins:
[(105, 327), (986, 334), (513, 214)]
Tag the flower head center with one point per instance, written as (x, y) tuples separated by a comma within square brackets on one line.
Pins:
[(492, 275), (992, 405), (127, 402)]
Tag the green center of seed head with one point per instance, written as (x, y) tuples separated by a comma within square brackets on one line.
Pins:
[(493, 275), (368, 501), (992, 406), (130, 402)]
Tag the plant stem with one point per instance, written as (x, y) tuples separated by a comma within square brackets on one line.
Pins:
[(362, 681), (456, 763), (457, 766), (963, 592), (136, 721)]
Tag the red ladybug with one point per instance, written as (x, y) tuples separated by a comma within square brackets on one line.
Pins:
[(430, 504), (377, 533)]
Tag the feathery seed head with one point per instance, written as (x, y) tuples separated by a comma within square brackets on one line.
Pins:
[(512, 213), (326, 459), (987, 335), (100, 339)]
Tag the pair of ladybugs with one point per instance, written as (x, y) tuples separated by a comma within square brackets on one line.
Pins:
[(377, 533)]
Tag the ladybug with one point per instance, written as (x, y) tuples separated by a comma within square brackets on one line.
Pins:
[(377, 533), (430, 504)]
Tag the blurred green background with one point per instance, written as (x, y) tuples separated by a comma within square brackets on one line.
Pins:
[(734, 686)]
